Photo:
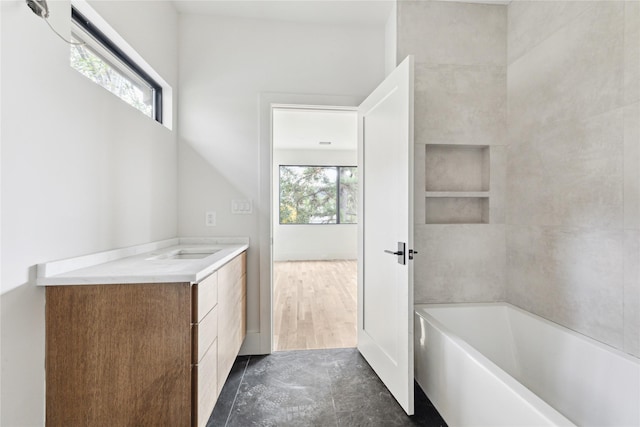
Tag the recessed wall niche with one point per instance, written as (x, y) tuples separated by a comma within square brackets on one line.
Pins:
[(457, 184)]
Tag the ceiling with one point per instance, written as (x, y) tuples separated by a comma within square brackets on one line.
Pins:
[(295, 129), (334, 12), (327, 12)]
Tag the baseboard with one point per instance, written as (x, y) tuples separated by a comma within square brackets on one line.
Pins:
[(252, 345)]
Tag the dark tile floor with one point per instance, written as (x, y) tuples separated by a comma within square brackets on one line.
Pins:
[(313, 388)]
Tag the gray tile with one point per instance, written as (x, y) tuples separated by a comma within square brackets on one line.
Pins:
[(632, 292), (456, 168), (576, 73), (318, 388), (228, 393), (438, 32), (568, 174), (293, 369), (631, 52), (262, 404), (459, 263), (425, 413), (531, 22), (632, 166), (389, 413), (365, 418), (419, 180), (497, 187), (359, 389), (286, 388), (456, 210), (572, 276), (460, 104)]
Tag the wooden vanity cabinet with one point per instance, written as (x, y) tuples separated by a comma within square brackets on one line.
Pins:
[(216, 354), (142, 354), (118, 355), (232, 294), (205, 348)]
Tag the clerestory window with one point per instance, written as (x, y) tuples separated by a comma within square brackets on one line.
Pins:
[(98, 58)]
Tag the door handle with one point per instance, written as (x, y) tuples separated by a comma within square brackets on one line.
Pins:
[(393, 253), (399, 253)]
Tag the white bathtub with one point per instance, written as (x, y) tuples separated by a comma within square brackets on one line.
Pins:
[(497, 365)]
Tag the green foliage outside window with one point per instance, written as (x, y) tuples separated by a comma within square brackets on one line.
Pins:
[(100, 71), (318, 195), (348, 195)]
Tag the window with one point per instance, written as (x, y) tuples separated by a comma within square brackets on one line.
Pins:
[(318, 194), (99, 59)]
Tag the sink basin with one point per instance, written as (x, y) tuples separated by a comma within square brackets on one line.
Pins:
[(190, 255), (194, 253)]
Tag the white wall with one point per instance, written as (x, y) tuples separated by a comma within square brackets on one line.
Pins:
[(225, 66), (0, 212), (312, 242), (391, 41), (81, 171)]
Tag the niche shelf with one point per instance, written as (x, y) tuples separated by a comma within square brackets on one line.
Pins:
[(456, 194), (457, 184)]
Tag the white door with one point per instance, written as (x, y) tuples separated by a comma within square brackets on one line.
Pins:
[(385, 271)]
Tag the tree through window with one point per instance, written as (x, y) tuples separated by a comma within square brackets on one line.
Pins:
[(95, 56), (318, 194)]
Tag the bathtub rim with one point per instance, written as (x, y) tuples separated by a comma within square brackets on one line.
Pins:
[(601, 345), (534, 401)]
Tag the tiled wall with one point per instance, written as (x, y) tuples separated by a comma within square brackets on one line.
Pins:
[(563, 233), (573, 166), (460, 99)]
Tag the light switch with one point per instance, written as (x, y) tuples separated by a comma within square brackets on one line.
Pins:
[(241, 206)]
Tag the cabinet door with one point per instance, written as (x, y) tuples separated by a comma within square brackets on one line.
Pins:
[(206, 385), (118, 355), (205, 349), (243, 310)]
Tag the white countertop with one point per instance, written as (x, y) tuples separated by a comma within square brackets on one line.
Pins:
[(149, 263)]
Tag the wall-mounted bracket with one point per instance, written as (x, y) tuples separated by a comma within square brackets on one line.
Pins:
[(39, 7)]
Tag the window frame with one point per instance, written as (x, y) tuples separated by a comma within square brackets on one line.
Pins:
[(112, 48), (337, 167)]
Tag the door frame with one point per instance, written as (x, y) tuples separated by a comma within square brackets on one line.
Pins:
[(260, 342)]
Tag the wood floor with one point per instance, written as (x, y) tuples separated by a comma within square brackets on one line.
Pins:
[(315, 304)]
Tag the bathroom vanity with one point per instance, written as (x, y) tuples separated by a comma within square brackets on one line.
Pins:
[(144, 339)]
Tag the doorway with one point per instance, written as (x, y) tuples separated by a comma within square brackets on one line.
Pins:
[(385, 121), (314, 212)]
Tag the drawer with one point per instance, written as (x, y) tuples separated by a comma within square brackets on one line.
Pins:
[(207, 332), (234, 269), (205, 296), (206, 385)]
